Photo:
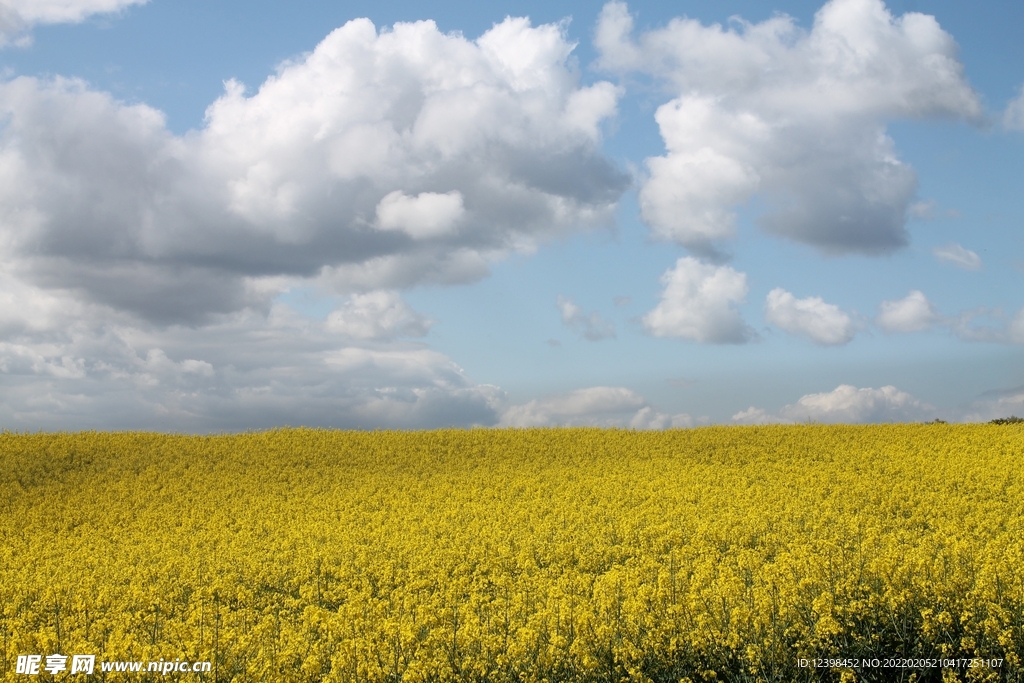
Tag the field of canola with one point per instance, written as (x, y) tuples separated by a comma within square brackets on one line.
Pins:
[(718, 553)]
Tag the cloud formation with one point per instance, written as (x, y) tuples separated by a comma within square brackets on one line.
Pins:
[(17, 17), (593, 406), (428, 214), (848, 404), (380, 160), (812, 318), (915, 313), (845, 404), (958, 256), (139, 269), (377, 315), (66, 370), (699, 302), (592, 327), (797, 117), (912, 313)]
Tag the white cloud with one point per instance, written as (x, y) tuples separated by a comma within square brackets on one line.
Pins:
[(699, 303), (582, 406), (649, 418), (798, 117), (958, 256), (593, 327), (246, 370), (64, 11), (428, 214), (379, 160), (691, 192), (139, 268), (822, 323), (912, 313), (1013, 117), (377, 315), (593, 406), (846, 404), (18, 16), (757, 416)]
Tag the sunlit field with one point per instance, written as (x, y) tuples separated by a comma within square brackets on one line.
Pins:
[(782, 553)]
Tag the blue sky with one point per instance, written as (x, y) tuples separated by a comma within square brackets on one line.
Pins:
[(224, 216)]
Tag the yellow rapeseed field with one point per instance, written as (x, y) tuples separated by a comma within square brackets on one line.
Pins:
[(781, 553)]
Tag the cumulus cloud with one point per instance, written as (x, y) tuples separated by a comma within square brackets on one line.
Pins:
[(848, 404), (592, 327), (822, 323), (958, 256), (382, 159), (428, 214), (377, 315), (1013, 116), (247, 370), (649, 418), (699, 303), (795, 116), (139, 268), (593, 406), (64, 11), (757, 416), (19, 16), (845, 404), (912, 313)]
